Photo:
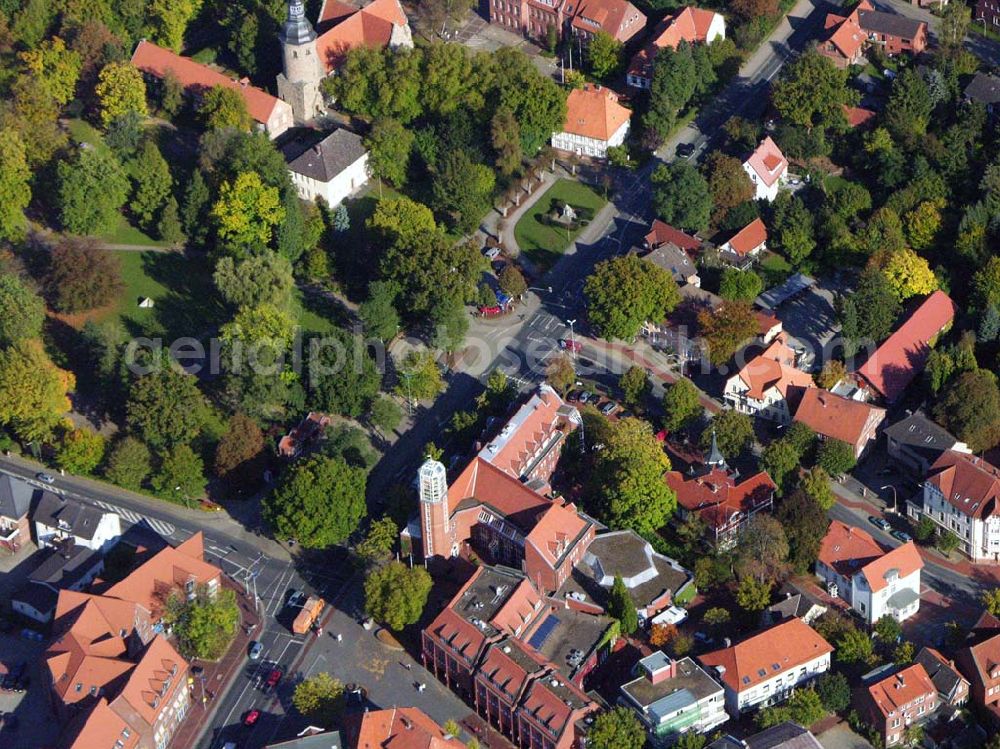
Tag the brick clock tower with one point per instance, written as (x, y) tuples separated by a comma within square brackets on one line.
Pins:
[(435, 524), (298, 84)]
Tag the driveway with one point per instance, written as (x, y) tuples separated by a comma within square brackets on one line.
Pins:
[(811, 321), (842, 737)]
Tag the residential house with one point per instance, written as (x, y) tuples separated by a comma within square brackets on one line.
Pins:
[(662, 233), (528, 446), (769, 324), (333, 169), (984, 88), (873, 580), (89, 526), (517, 659), (987, 12), (717, 496), (859, 117), (915, 442), (903, 355), (15, 503), (66, 565), (595, 122), (678, 334), (674, 697), (311, 429), (961, 494), (845, 37), (271, 114), (835, 417), (653, 581), (767, 168), (766, 667), (796, 603), (536, 19), (689, 24), (388, 729), (745, 245), (894, 32), (786, 735), (676, 262), (952, 687), (310, 54), (979, 662), (891, 705), (764, 385)]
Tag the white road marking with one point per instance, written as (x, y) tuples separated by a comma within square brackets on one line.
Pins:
[(160, 526)]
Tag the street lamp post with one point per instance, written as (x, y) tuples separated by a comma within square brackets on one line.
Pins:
[(895, 499), (572, 337)]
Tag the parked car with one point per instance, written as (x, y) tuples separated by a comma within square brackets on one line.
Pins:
[(251, 717), (573, 396), (685, 150), (901, 536), (273, 678), (880, 523), (46, 478), (297, 598), (255, 650), (584, 396), (609, 408), (673, 615), (491, 253), (570, 345)]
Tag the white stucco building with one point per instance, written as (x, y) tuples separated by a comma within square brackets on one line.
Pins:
[(962, 495), (856, 568), (760, 388), (766, 667), (595, 122), (332, 169), (55, 520), (767, 168)]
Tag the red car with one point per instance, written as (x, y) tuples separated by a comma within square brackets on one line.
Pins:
[(570, 345), (252, 717), (273, 678)]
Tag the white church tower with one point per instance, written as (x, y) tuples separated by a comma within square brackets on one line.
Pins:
[(303, 70), (435, 525)]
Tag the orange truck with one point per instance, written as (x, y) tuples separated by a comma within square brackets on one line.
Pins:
[(308, 615)]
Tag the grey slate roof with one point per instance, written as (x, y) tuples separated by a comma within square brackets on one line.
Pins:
[(40, 597), (944, 676), (328, 158), (892, 24), (66, 566), (77, 518), (917, 431), (984, 89), (786, 735), (15, 497)]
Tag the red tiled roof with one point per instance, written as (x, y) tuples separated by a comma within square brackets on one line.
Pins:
[(858, 116), (773, 368), (837, 417), (847, 549), (342, 28), (896, 691), (762, 656), (968, 483), (846, 36), (689, 24), (486, 483), (904, 559), (400, 728), (197, 78), (716, 496), (768, 161), (618, 18), (154, 680), (547, 700), (904, 353), (101, 727), (533, 424), (518, 609), (662, 233), (505, 672), (749, 238), (594, 112), (555, 530)]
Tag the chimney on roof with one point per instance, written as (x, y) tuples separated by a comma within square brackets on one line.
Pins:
[(668, 671), (244, 82)]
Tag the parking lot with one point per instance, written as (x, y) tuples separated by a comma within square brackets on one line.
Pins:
[(810, 319), (33, 724)]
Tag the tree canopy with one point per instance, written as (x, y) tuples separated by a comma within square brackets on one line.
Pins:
[(396, 594), (626, 291)]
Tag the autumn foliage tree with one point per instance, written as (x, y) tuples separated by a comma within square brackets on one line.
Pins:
[(82, 275), (726, 329), (239, 455)]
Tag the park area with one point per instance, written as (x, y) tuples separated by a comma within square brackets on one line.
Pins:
[(543, 234)]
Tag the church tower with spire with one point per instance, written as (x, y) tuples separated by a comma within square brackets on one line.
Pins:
[(298, 84)]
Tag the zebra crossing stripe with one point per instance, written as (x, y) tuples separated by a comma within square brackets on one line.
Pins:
[(161, 527)]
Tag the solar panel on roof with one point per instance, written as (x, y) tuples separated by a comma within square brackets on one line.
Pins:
[(542, 633)]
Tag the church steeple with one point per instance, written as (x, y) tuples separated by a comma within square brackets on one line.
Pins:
[(297, 29), (715, 458)]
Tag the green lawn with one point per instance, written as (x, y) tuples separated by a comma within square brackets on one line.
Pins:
[(775, 269), (185, 302), (125, 233), (542, 244)]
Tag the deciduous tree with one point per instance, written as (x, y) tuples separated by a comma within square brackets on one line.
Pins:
[(168, 20), (634, 383), (33, 391), (604, 54), (24, 311), (378, 312), (82, 275), (396, 594), (836, 457), (681, 196), (681, 405), (379, 540), (512, 281), (753, 595), (319, 503), (239, 456), (15, 185), (762, 549), (265, 278), (617, 728), (805, 526), (812, 91), (834, 691), (560, 373), (246, 213), (129, 463), (625, 292), (181, 475), (92, 188), (120, 90), (55, 67), (732, 430), (505, 137), (726, 329), (740, 285), (389, 145), (908, 274), (223, 107), (165, 407), (419, 377), (320, 699), (969, 408), (81, 451), (728, 183)]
